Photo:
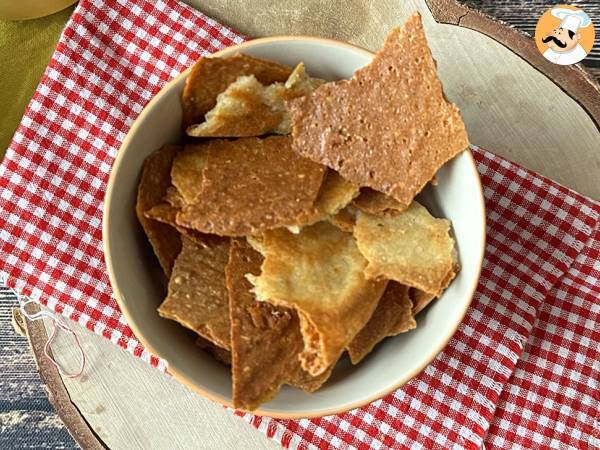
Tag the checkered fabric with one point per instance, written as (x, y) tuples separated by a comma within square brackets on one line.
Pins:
[(523, 363), (112, 57), (553, 397)]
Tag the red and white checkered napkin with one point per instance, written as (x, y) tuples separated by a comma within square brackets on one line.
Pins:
[(522, 367)]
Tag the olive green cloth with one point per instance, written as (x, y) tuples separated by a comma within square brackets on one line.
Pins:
[(25, 49)]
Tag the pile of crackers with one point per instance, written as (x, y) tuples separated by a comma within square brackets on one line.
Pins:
[(287, 225)]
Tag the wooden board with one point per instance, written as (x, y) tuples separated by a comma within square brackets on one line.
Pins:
[(120, 402), (510, 99), (27, 418), (524, 14)]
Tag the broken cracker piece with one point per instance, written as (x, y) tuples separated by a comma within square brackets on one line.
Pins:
[(167, 214), (421, 299), (335, 194), (392, 316), (377, 203), (251, 185), (320, 273), (210, 76), (390, 126), (197, 297), (413, 248), (241, 111), (153, 185), (173, 197), (249, 108), (164, 213), (265, 339), (344, 219), (187, 169)]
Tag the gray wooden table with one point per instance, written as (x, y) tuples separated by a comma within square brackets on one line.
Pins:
[(27, 419)]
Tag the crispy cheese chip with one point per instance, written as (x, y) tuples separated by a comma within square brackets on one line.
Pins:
[(413, 248), (344, 219), (392, 316), (421, 299), (167, 214), (377, 203), (211, 76), (249, 108), (187, 169), (154, 182), (265, 339), (164, 213), (186, 176), (197, 297), (173, 197), (334, 195), (241, 111), (390, 127), (319, 273), (251, 185)]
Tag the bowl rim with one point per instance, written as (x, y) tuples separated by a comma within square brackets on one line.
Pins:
[(130, 319)]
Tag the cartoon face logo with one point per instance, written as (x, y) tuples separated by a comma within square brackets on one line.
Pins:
[(564, 35), (561, 40)]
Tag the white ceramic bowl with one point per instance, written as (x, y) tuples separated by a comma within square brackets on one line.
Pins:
[(132, 269)]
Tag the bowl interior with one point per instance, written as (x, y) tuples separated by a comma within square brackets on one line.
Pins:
[(137, 282)]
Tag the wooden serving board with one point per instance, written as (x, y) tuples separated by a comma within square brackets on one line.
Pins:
[(514, 102)]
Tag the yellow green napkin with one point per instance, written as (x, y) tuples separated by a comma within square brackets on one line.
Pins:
[(25, 49)]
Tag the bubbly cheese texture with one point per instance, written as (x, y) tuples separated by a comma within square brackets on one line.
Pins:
[(249, 108), (413, 248), (320, 274)]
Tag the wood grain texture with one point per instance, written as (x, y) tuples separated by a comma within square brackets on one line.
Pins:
[(573, 79), (59, 397), (130, 405), (524, 14), (27, 419)]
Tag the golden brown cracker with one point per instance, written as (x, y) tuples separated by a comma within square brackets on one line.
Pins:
[(210, 76), (320, 273), (390, 127), (421, 299), (173, 197), (301, 379), (392, 316), (249, 108), (166, 213), (241, 111), (251, 185), (197, 297), (377, 203), (344, 219), (335, 194), (153, 184), (265, 339), (187, 169), (413, 247)]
